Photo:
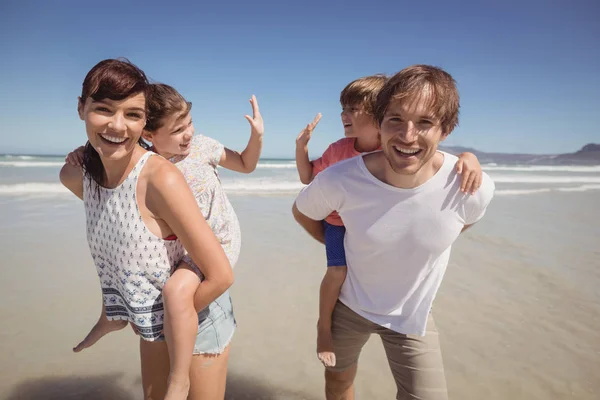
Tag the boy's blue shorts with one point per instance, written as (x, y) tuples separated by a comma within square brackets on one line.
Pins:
[(334, 244)]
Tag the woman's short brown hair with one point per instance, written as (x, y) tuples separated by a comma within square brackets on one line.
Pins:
[(114, 79)]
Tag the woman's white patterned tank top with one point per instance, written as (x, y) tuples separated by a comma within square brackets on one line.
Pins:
[(133, 264)]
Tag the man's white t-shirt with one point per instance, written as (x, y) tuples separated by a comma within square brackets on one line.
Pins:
[(397, 241)]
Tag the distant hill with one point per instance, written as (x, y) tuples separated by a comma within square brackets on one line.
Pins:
[(588, 155)]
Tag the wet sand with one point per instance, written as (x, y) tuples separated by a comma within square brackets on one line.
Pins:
[(518, 312)]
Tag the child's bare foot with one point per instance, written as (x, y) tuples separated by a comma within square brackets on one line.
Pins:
[(177, 389), (325, 352), (102, 327)]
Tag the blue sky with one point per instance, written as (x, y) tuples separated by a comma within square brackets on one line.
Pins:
[(528, 71)]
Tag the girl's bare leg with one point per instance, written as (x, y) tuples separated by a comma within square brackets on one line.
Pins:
[(180, 328), (103, 326)]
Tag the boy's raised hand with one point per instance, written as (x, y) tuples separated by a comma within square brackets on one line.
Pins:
[(305, 134), (75, 157), (256, 121)]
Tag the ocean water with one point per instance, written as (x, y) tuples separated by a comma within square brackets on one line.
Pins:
[(35, 176)]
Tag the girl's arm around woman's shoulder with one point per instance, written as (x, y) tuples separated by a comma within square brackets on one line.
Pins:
[(71, 177), (169, 198)]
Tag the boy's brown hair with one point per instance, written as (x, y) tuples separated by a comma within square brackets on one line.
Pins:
[(163, 101), (363, 92), (411, 82)]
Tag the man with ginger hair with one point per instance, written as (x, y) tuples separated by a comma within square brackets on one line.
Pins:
[(403, 209)]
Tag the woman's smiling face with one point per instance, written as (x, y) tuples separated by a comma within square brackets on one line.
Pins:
[(114, 127)]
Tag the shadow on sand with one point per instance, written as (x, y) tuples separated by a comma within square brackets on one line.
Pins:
[(101, 387), (241, 387), (109, 387)]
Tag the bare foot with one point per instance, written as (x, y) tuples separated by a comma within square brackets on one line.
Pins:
[(325, 352), (102, 327), (177, 389)]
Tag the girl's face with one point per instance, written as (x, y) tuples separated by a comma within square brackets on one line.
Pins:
[(174, 138), (114, 126)]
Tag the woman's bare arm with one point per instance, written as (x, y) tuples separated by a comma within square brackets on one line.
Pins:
[(170, 198)]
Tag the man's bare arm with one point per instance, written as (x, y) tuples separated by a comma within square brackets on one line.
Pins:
[(314, 228)]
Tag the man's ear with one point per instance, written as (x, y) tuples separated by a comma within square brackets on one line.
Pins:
[(80, 107), (147, 135)]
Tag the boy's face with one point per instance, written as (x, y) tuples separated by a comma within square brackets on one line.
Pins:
[(410, 134), (357, 122)]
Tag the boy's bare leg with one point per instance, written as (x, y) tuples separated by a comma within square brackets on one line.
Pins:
[(330, 291), (102, 327), (181, 327)]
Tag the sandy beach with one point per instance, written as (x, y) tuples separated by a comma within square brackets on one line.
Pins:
[(515, 84), (518, 312)]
